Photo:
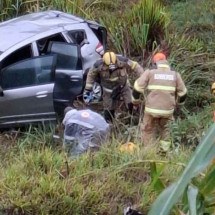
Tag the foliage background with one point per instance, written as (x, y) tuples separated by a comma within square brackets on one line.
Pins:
[(35, 175)]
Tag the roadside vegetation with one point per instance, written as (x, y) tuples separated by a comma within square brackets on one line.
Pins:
[(36, 177)]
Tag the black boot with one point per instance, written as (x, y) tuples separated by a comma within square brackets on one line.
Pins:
[(130, 108)]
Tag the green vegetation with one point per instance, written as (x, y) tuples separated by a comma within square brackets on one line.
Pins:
[(36, 177), (199, 192), (135, 28)]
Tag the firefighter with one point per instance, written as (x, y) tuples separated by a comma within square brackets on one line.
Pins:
[(164, 89), (112, 71), (213, 88), (213, 92)]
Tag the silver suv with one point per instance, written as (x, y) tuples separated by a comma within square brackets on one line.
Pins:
[(44, 59)]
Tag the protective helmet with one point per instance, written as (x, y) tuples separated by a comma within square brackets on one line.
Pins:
[(158, 56), (109, 58)]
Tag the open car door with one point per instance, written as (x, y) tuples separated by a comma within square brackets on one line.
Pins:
[(100, 32), (68, 76)]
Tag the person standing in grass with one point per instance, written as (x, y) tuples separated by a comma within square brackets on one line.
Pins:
[(163, 88)]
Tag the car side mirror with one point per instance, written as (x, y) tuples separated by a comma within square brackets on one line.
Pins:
[(1, 91), (85, 41)]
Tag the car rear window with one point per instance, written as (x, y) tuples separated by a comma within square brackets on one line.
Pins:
[(43, 44), (77, 36)]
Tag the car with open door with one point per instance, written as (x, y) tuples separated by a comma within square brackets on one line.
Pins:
[(39, 88), (44, 61)]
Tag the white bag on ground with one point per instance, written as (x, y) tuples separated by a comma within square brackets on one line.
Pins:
[(84, 130)]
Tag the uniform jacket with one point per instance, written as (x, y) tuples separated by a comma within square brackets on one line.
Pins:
[(213, 88), (162, 87), (110, 80)]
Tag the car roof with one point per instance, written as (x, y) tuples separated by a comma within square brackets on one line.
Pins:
[(21, 28)]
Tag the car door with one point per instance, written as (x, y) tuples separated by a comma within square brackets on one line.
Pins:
[(27, 91), (100, 32), (69, 74)]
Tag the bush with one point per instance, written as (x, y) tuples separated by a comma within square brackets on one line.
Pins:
[(137, 28), (40, 179)]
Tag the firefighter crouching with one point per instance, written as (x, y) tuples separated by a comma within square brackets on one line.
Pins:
[(112, 71), (164, 89)]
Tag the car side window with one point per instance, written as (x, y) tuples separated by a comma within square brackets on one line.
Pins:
[(43, 44), (34, 71), (18, 55), (78, 36)]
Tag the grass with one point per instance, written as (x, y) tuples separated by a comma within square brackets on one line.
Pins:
[(190, 130), (40, 179), (133, 29)]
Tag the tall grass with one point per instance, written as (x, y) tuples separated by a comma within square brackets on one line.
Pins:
[(190, 49), (198, 193), (135, 28), (40, 179), (191, 129), (14, 8)]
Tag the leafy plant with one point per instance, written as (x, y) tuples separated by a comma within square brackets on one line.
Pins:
[(38, 178), (135, 30), (201, 158), (191, 129)]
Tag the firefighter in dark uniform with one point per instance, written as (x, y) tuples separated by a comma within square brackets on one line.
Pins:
[(112, 71)]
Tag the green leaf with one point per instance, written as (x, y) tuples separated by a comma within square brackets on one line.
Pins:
[(202, 156), (192, 193), (208, 184), (156, 181)]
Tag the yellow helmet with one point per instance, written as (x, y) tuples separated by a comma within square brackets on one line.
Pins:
[(128, 147), (109, 58)]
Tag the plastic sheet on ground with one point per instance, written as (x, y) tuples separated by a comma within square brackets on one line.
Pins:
[(84, 130)]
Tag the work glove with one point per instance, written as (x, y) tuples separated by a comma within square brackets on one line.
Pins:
[(136, 102), (87, 96)]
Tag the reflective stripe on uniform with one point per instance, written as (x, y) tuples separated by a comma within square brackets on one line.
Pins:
[(135, 101), (160, 87), (107, 90), (180, 94), (163, 66), (114, 79), (133, 64), (157, 111), (137, 88)]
